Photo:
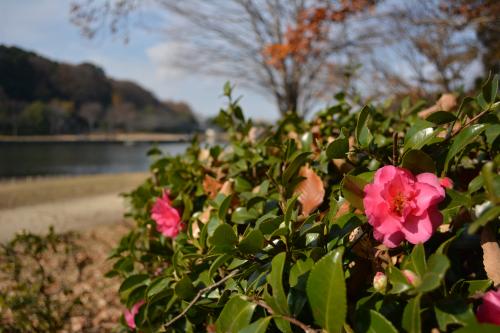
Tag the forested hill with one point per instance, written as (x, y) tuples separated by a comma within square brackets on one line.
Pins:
[(41, 96)]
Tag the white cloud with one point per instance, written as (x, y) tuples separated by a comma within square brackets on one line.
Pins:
[(164, 56)]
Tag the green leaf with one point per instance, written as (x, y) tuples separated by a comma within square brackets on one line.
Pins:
[(398, 281), (453, 311), (417, 260), (353, 190), (337, 148), (437, 266), (294, 166), (289, 209), (441, 117), (298, 269), (326, 291), (478, 328), (411, 316), (158, 286), (490, 88), (363, 134), (418, 162), (241, 215), (252, 243), (420, 139), (278, 302), (224, 236), (492, 133), (217, 263), (242, 185), (487, 216), (491, 181), (224, 206), (227, 88), (373, 322), (185, 289), (259, 326), (464, 138), (235, 315), (132, 282)]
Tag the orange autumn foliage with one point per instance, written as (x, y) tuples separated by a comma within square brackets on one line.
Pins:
[(312, 26)]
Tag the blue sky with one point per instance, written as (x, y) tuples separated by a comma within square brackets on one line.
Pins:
[(43, 26)]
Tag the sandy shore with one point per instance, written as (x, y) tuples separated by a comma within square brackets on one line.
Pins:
[(67, 203)]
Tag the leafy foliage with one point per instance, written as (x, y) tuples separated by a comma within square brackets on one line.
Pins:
[(250, 261)]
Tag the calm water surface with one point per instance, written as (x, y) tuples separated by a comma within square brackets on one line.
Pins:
[(37, 159)]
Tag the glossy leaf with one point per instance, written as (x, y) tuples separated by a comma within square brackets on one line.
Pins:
[(418, 162), (441, 117), (437, 266), (252, 243), (259, 326), (412, 321), (373, 322), (465, 137), (363, 134), (235, 315), (337, 148), (353, 190), (224, 236), (420, 138), (326, 292)]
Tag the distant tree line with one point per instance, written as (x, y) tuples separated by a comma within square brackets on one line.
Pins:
[(39, 96)]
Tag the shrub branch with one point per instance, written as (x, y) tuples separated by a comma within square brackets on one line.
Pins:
[(198, 296)]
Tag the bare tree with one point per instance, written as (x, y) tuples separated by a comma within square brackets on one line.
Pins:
[(427, 49), (91, 111), (283, 48)]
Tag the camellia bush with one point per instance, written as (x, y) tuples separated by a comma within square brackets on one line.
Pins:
[(379, 219)]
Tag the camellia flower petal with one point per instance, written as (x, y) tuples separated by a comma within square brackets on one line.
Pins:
[(167, 218), (130, 314), (402, 206), (489, 310), (311, 190)]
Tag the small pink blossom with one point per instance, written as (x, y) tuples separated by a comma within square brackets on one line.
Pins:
[(411, 277), (402, 206), (130, 314), (446, 182), (489, 310), (167, 218), (380, 282)]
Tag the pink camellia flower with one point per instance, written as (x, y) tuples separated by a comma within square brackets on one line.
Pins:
[(167, 218), (489, 310), (130, 314), (402, 206)]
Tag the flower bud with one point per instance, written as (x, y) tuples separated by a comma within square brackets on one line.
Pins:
[(380, 282), (412, 278)]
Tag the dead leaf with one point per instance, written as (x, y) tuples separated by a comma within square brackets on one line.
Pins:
[(227, 188), (311, 190), (447, 102), (211, 186), (491, 255)]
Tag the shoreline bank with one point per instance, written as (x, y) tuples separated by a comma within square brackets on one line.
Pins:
[(100, 137)]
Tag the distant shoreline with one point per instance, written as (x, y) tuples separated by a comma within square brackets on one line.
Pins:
[(100, 137)]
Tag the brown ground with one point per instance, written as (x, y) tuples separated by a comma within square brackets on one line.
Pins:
[(67, 203), (89, 205)]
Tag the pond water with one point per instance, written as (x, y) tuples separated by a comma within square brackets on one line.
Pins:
[(62, 158)]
